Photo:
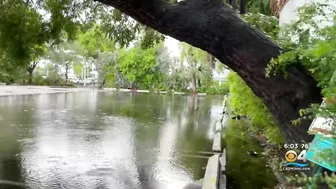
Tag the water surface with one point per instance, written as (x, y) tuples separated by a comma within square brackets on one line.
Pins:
[(244, 171), (104, 140)]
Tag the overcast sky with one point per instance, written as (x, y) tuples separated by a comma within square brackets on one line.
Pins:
[(172, 45)]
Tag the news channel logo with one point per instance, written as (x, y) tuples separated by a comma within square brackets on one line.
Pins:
[(295, 161)]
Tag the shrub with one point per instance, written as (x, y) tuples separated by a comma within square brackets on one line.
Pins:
[(39, 80), (243, 101), (215, 88)]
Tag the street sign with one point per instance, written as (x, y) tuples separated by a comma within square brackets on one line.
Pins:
[(323, 126), (322, 150)]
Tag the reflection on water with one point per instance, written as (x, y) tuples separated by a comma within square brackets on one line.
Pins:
[(244, 171), (104, 140)]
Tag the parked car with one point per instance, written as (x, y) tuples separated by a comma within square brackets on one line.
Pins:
[(91, 81), (74, 80)]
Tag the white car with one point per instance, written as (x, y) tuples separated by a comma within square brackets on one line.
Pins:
[(91, 81), (74, 80)]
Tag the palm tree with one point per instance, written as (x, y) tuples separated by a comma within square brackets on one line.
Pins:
[(276, 6), (197, 68), (266, 7)]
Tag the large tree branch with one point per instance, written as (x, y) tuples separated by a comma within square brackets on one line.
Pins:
[(208, 24), (214, 27)]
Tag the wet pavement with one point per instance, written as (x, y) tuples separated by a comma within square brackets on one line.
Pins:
[(27, 90)]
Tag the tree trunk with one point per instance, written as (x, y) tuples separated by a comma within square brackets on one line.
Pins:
[(242, 6), (30, 79), (199, 83), (210, 60), (66, 75), (67, 67), (194, 84), (217, 29), (102, 84), (30, 70), (234, 4)]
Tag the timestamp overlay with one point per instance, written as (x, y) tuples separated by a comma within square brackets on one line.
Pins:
[(295, 157)]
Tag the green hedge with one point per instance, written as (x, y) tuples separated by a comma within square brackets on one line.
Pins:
[(51, 80), (216, 89), (243, 101)]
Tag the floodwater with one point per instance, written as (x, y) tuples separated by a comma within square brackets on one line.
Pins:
[(101, 140), (244, 171)]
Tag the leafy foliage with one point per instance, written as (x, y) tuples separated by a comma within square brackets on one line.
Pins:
[(197, 70), (97, 49), (123, 29), (20, 31), (310, 42), (215, 88), (267, 24), (64, 55), (311, 46), (259, 6), (24, 31), (77, 68), (94, 40), (28, 26), (139, 67), (243, 101)]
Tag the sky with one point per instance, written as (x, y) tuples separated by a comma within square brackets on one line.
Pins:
[(172, 45)]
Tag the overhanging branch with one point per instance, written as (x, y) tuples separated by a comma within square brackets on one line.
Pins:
[(202, 24), (214, 27)]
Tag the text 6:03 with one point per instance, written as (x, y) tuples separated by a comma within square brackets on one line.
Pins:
[(291, 146)]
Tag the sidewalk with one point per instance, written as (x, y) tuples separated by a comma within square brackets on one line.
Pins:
[(28, 90)]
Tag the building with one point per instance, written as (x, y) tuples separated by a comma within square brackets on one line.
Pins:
[(289, 13), (321, 142), (220, 76), (89, 72)]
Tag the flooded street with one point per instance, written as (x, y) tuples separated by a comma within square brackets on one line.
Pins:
[(243, 170), (104, 140)]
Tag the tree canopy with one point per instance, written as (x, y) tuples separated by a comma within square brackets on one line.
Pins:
[(139, 67), (212, 26), (275, 79)]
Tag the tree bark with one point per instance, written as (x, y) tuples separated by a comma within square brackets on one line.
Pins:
[(67, 67), (199, 85), (210, 60), (194, 83), (242, 6), (30, 70), (30, 79), (214, 27), (234, 4), (102, 84)]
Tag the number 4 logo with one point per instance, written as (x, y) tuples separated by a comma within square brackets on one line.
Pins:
[(302, 156)]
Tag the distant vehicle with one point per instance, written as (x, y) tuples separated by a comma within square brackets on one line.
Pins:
[(90, 81), (74, 80), (80, 81), (87, 81)]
